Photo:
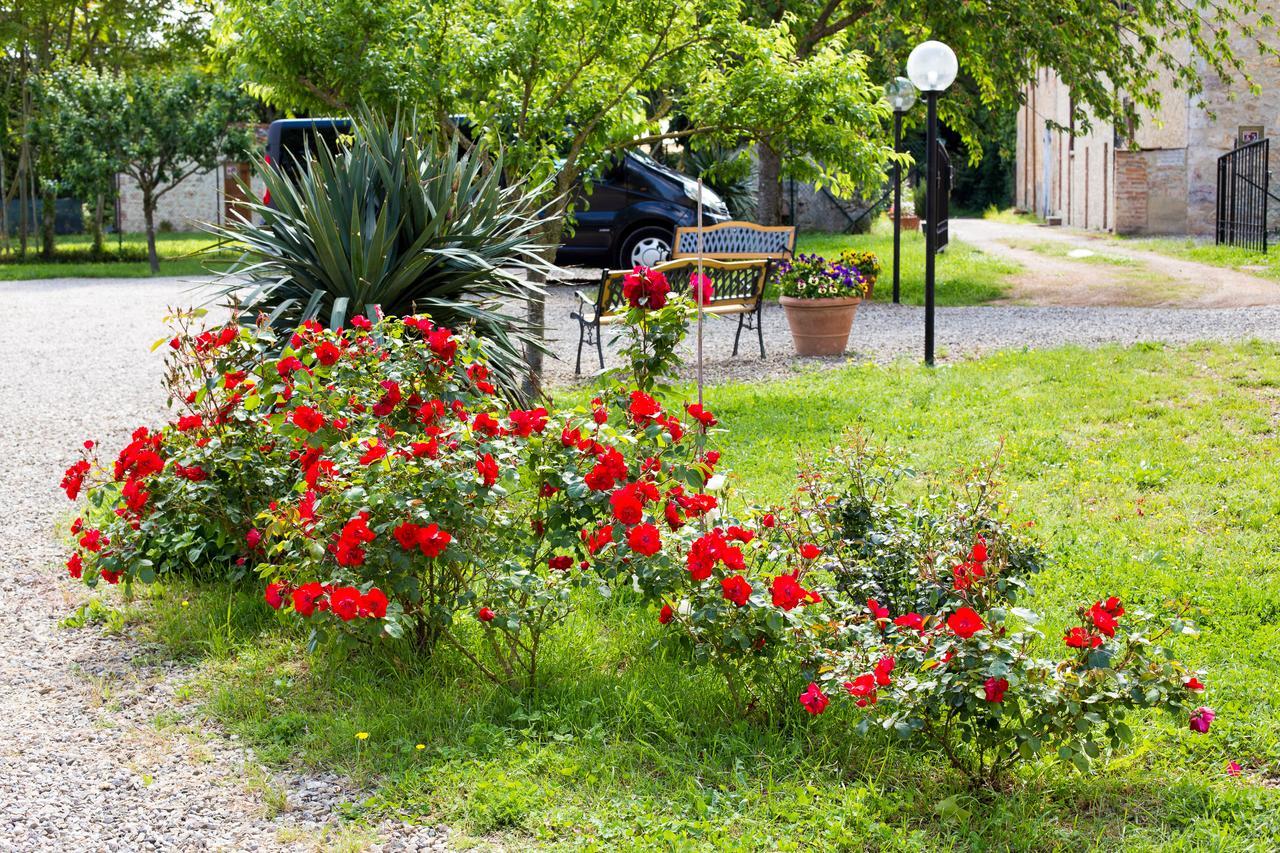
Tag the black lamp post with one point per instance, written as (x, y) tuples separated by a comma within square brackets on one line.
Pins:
[(932, 67), (902, 96)]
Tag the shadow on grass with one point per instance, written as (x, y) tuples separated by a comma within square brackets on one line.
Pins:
[(629, 745)]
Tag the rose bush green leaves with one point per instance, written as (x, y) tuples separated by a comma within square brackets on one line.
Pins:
[(375, 485)]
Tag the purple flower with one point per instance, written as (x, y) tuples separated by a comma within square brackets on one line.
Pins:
[(1201, 718)]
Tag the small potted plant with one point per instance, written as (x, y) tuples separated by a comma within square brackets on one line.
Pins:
[(867, 265), (820, 299), (910, 217)]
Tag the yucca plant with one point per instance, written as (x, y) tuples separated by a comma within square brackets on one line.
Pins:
[(398, 221)]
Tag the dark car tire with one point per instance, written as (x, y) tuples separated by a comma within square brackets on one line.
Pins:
[(647, 245)]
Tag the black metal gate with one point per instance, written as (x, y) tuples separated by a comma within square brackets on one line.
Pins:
[(938, 198), (1243, 190)]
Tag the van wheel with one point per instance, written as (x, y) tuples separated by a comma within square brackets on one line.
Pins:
[(646, 246)]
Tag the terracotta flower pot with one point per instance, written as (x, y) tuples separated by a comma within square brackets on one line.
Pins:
[(820, 326)]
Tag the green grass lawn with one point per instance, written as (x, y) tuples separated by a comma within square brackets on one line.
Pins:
[(965, 275), (178, 257), (1147, 472)]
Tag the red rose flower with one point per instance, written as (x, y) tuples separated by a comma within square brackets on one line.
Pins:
[(328, 354), (814, 700), (965, 622), (598, 540), (373, 604), (75, 566), (307, 418), (1193, 684), (74, 477), (914, 621), (484, 614), (768, 520), (275, 594), (665, 615), (701, 415), (373, 451), (643, 409), (1079, 638), (644, 539), (883, 667), (863, 689), (487, 467), (979, 552), (736, 589), (306, 598), (560, 562), (995, 688), (810, 551), (789, 594), (345, 602), (877, 612)]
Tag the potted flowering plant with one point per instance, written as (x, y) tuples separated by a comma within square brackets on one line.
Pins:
[(820, 299), (866, 263)]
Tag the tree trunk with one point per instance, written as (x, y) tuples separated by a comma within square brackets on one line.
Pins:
[(769, 190), (149, 216), (48, 212), (99, 210)]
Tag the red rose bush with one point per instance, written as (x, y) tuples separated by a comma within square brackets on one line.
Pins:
[(955, 660), (374, 484)]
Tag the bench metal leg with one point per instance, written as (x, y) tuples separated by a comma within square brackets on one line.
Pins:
[(741, 318), (600, 344), (760, 328)]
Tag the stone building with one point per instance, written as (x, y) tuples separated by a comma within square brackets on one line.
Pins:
[(1159, 177)]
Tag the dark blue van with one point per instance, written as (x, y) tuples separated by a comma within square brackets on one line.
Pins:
[(627, 217)]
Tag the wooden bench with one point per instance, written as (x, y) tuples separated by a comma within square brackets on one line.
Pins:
[(737, 288)]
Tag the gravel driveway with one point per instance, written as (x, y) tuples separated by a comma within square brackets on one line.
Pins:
[(83, 764)]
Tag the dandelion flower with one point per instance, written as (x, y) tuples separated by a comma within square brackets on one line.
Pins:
[(362, 735)]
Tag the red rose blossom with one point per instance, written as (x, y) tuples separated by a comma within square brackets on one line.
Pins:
[(736, 589), (965, 622), (814, 700)]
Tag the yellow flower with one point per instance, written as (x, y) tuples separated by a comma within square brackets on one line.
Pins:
[(421, 746), (362, 735), (185, 603)]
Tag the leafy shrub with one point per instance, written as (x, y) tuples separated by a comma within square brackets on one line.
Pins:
[(963, 666), (184, 497), (425, 487), (398, 221)]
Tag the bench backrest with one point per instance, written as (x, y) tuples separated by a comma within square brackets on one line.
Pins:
[(732, 282), (734, 240)]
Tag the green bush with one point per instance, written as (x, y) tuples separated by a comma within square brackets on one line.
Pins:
[(397, 221)]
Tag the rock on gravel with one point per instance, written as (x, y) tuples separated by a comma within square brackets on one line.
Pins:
[(83, 765)]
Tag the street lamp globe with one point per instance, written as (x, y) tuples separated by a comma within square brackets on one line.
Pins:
[(900, 94), (932, 66)]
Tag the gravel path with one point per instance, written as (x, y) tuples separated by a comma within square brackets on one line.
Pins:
[(83, 763), (886, 332)]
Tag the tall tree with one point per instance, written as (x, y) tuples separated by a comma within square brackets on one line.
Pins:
[(562, 87), (173, 126)]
